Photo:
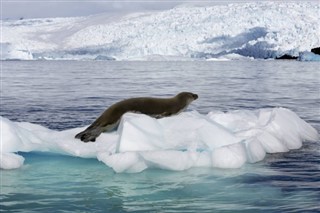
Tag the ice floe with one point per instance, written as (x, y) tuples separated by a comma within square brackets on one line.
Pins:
[(190, 139)]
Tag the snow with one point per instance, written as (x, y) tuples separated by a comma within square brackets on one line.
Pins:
[(222, 32), (190, 139)]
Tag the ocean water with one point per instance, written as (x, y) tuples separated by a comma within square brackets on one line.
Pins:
[(67, 94)]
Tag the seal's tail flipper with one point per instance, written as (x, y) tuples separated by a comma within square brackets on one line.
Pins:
[(88, 135)]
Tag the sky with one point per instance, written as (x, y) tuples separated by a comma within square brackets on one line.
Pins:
[(16, 9)]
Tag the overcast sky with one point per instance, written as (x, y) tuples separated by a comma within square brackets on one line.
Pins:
[(12, 9), (16, 9)]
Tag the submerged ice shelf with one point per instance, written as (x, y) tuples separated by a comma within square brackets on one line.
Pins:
[(222, 32), (190, 139)]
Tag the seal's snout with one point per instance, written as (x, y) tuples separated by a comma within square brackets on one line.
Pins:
[(195, 96)]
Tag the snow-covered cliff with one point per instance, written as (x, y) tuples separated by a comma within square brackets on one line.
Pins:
[(258, 30)]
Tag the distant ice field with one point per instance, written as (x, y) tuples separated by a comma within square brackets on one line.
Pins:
[(237, 31), (44, 103)]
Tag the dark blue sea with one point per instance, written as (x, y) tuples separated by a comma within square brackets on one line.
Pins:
[(67, 94)]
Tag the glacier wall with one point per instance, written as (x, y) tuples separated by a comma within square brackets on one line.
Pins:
[(232, 31)]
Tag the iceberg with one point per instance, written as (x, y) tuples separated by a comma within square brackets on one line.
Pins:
[(181, 142), (231, 31), (308, 56)]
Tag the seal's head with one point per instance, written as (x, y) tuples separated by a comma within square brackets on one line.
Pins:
[(187, 97)]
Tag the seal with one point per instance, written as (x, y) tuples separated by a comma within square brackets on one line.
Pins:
[(154, 107)]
